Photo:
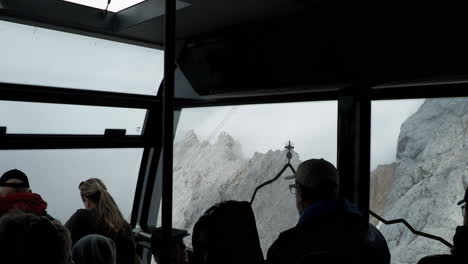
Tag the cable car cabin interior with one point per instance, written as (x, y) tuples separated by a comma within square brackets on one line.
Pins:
[(180, 105)]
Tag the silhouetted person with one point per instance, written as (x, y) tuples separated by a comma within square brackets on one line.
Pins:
[(27, 238), (330, 230), (102, 216), (179, 252), (94, 249), (227, 234), (15, 194), (460, 242)]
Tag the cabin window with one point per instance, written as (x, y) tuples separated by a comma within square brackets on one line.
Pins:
[(419, 171), (224, 153), (40, 118), (56, 174), (43, 57)]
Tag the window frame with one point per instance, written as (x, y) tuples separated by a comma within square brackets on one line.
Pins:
[(352, 96)]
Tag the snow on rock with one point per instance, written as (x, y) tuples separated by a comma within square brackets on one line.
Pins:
[(422, 185), (431, 174), (207, 173)]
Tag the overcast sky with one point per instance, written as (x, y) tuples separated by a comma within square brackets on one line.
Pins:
[(86, 63), (312, 127)]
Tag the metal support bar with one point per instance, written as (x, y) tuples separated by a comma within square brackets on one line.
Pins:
[(14, 141), (168, 126), (354, 149), (145, 162), (437, 90), (258, 99), (42, 94)]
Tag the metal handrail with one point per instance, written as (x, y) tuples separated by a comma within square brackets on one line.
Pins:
[(414, 231), (289, 147)]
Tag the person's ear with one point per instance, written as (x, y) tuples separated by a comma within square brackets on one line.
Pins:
[(299, 195)]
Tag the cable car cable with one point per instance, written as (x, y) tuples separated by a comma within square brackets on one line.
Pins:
[(411, 228), (204, 151), (207, 141)]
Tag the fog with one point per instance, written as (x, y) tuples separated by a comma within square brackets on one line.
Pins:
[(55, 174), (311, 126), (31, 55)]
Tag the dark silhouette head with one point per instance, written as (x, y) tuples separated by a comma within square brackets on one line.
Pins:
[(315, 179), (13, 181), (227, 233), (27, 238)]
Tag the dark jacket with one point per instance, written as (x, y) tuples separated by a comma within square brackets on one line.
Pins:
[(330, 232), (459, 252), (85, 222), (227, 234)]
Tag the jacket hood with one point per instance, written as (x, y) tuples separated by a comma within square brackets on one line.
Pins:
[(94, 249), (26, 202)]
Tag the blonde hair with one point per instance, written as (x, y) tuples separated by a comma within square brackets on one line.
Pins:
[(108, 212)]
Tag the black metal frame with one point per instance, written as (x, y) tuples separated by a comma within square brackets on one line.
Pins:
[(354, 125), (353, 114), (43, 94), (168, 127)]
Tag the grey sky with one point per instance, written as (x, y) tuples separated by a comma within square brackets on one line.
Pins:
[(39, 56), (39, 118), (387, 118), (56, 174), (31, 56), (264, 127), (312, 127)]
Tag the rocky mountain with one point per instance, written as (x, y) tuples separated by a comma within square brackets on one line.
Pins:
[(422, 186), (382, 179), (206, 173), (430, 176)]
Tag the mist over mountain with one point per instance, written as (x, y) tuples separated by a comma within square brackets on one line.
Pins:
[(422, 186), (207, 173), (428, 178)]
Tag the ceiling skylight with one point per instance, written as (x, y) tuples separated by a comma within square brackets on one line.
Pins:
[(115, 5)]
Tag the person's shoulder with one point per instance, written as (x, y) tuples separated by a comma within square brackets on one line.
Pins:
[(84, 213), (80, 216), (283, 239), (437, 259)]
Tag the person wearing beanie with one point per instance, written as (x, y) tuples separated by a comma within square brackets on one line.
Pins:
[(15, 194)]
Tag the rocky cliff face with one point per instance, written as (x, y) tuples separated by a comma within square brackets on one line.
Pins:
[(428, 177), (207, 173), (382, 179), (431, 174)]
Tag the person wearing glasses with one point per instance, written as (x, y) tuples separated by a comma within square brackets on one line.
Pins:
[(330, 229), (459, 253), (102, 216)]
